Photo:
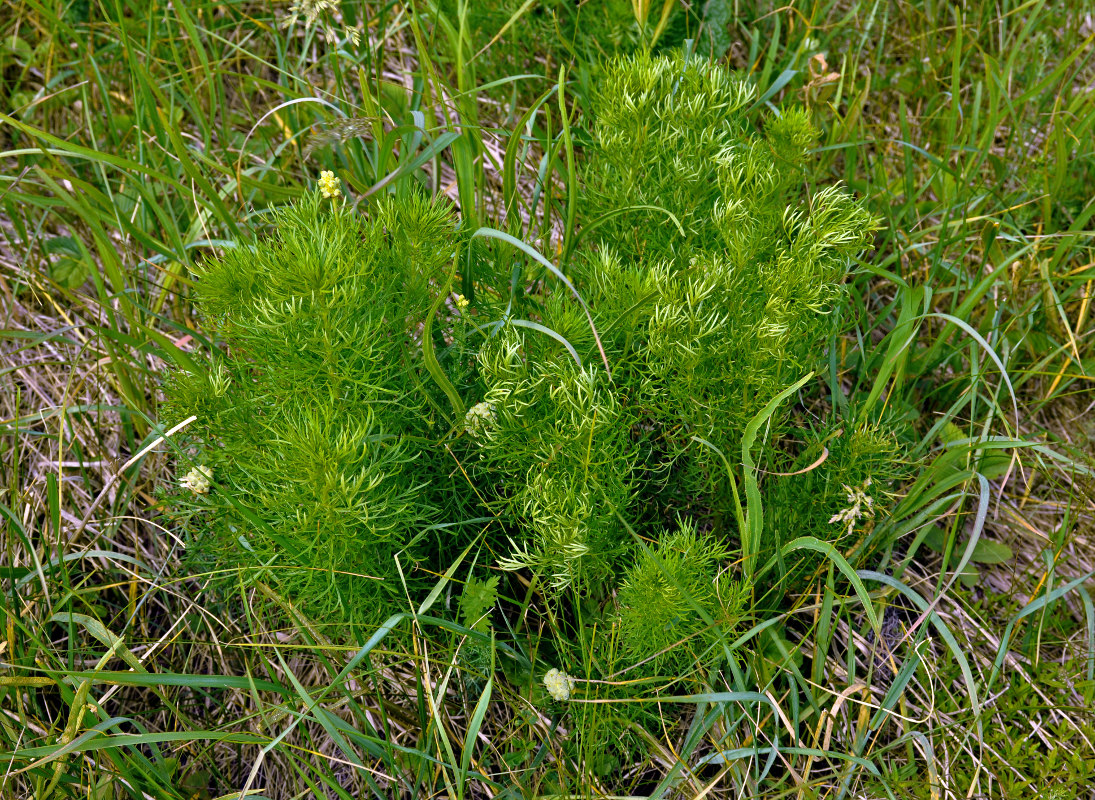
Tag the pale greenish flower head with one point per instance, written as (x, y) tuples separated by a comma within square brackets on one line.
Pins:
[(558, 684), (198, 480), (479, 418)]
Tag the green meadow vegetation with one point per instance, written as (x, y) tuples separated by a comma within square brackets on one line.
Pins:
[(538, 398)]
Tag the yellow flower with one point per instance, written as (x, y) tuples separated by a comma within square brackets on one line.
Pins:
[(460, 300), (329, 184)]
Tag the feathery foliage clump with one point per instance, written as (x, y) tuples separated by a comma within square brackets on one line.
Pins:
[(323, 422), (324, 414), (555, 452), (310, 414), (718, 320), (676, 602)]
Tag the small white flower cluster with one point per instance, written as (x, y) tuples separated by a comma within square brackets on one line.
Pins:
[(329, 184), (198, 480), (558, 684), (478, 418), (860, 505)]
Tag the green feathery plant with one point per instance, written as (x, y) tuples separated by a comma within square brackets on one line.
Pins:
[(554, 449), (312, 415), (708, 326), (322, 412), (674, 602)]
